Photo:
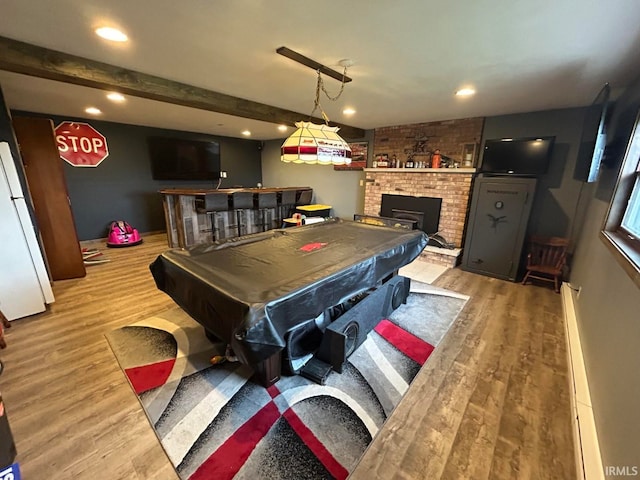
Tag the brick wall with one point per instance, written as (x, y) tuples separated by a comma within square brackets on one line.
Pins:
[(419, 139), (454, 188)]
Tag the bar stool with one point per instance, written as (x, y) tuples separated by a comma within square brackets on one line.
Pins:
[(240, 202), (263, 201), (304, 197), (286, 204), (211, 204)]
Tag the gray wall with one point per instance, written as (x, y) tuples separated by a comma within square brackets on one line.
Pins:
[(121, 187), (555, 207), (608, 304), (338, 188), (608, 309)]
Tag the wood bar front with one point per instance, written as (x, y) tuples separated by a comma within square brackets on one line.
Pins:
[(196, 216)]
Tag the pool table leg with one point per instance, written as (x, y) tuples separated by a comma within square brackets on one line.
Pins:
[(268, 371)]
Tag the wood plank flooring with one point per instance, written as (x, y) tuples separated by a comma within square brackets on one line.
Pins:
[(492, 402)]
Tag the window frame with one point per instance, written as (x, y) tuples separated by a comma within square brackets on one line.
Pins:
[(635, 197), (624, 245)]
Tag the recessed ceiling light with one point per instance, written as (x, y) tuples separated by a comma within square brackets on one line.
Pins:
[(465, 92), (348, 111), (93, 111), (282, 128), (246, 133), (112, 34), (115, 97)]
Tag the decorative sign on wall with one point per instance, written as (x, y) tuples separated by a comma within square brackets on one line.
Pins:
[(359, 151), (80, 144)]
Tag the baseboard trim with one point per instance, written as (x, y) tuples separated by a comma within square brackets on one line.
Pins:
[(588, 458)]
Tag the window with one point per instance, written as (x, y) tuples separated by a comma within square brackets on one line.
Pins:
[(622, 225), (631, 220)]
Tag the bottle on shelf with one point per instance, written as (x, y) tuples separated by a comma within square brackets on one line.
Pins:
[(436, 158)]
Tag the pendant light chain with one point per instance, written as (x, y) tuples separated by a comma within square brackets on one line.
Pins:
[(317, 144), (320, 86)]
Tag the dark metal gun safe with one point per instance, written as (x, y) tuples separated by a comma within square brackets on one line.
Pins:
[(500, 208)]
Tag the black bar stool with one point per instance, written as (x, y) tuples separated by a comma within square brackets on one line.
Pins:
[(263, 201), (286, 204), (241, 201), (304, 197), (212, 204)]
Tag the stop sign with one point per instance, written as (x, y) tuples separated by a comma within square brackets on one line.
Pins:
[(80, 144)]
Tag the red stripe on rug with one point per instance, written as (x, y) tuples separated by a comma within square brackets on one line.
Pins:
[(273, 391), (228, 459), (150, 376), (412, 346), (316, 446)]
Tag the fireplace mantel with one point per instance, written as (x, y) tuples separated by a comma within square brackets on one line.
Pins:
[(422, 170)]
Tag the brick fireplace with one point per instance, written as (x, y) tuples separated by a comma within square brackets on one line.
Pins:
[(457, 141), (452, 185)]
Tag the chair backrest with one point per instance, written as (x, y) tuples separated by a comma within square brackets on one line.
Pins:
[(547, 251), (304, 197)]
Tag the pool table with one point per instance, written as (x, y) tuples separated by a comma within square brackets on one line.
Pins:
[(251, 291)]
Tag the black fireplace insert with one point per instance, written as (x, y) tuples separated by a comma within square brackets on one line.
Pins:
[(424, 210)]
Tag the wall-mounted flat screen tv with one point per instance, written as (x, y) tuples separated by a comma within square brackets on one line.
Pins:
[(182, 159), (517, 156), (594, 138)]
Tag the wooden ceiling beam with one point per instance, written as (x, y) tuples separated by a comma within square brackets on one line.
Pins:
[(27, 59), (307, 62)]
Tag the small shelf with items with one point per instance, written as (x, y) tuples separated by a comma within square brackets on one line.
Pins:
[(469, 152)]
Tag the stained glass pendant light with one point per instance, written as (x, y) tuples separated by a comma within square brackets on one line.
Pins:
[(312, 143), (317, 144)]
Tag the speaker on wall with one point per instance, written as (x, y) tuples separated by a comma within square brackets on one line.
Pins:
[(349, 331)]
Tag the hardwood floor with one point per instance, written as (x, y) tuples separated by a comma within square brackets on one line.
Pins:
[(492, 402)]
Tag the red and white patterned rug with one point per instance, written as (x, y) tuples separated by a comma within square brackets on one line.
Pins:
[(214, 422)]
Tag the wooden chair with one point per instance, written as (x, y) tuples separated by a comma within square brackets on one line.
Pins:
[(546, 259)]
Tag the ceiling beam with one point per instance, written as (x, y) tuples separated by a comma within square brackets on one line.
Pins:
[(27, 59), (307, 62)]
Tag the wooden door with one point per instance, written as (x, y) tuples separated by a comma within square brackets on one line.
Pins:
[(48, 189)]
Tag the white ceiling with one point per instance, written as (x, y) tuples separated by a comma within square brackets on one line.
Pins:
[(409, 56)]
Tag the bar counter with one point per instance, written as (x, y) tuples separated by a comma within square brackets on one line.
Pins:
[(206, 191), (196, 216)]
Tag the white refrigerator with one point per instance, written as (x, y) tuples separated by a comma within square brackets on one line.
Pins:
[(25, 288)]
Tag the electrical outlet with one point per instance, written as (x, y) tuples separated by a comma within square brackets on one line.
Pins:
[(223, 174), (362, 183)]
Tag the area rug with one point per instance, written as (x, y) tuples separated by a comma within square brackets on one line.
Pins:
[(215, 422)]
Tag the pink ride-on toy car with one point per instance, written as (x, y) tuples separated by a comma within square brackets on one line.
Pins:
[(121, 234)]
